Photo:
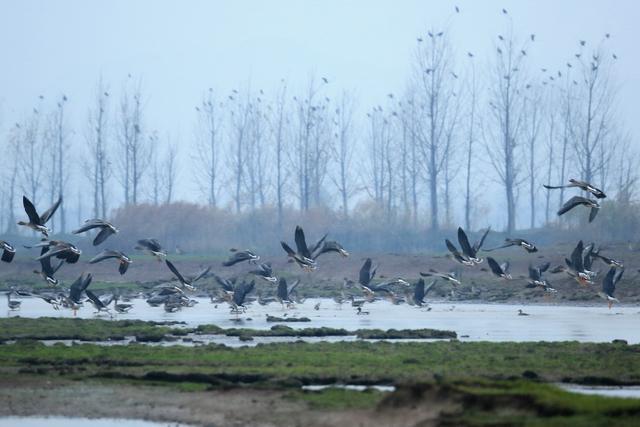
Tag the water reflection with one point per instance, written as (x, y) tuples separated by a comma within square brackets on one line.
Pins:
[(618, 391)]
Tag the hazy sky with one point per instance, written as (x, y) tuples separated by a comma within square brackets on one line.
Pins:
[(181, 48)]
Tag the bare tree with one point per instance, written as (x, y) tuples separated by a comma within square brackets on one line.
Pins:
[(33, 156), (343, 150), (472, 122), (238, 134), (594, 110), (507, 111), (98, 166), (435, 80), (15, 155), (533, 120), (134, 147), (59, 154), (279, 122), (208, 136)]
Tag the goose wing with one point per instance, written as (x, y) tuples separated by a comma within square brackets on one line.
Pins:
[(418, 291), (34, 218), (593, 214), (301, 243), (175, 271), (495, 267), (107, 254), (576, 257), (103, 235), (46, 215), (464, 244), (479, 244), (201, 274), (89, 225), (365, 273), (318, 245), (570, 204), (94, 298)]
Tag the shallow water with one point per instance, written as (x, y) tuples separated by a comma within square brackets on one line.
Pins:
[(352, 387), (627, 391), (472, 322), (79, 422)]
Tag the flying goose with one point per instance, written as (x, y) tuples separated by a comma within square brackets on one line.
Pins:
[(500, 270), (240, 256), (303, 255), (577, 201), (78, 287), (55, 302), (8, 251), (265, 271), (153, 247), (329, 246), (62, 250), (285, 294), (124, 260), (420, 291), (106, 229), (469, 256), (576, 266), (96, 302), (584, 186), (187, 283), (239, 298), (527, 246), (449, 277), (47, 272), (37, 222), (609, 285), (536, 279), (609, 261)]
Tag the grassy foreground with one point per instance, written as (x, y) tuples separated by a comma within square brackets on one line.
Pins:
[(474, 384)]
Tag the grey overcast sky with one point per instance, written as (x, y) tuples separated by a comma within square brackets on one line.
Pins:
[(181, 48)]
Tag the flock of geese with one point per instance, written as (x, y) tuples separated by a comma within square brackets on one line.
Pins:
[(236, 292)]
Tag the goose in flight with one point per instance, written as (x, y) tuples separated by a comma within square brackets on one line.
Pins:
[(609, 261), (77, 288), (106, 229), (240, 256), (583, 185), (420, 291), (499, 270), (469, 255), (285, 294), (449, 277), (265, 271), (153, 247), (527, 246), (328, 246), (187, 283), (576, 267), (302, 256), (62, 250), (609, 285), (37, 222), (97, 303), (536, 279), (123, 260), (577, 201), (47, 272), (8, 251)]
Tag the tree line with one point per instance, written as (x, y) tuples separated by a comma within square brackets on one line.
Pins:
[(424, 156)]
